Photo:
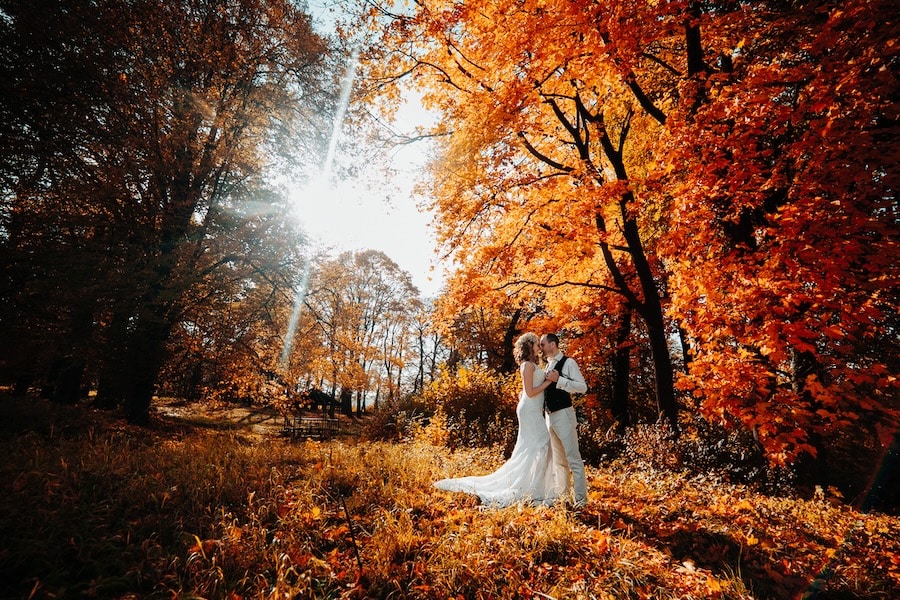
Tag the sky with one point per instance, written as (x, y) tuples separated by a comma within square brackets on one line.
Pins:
[(366, 212)]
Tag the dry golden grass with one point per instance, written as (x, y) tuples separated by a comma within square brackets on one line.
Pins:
[(176, 512)]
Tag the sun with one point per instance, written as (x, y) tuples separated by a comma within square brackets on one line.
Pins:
[(317, 206), (349, 215)]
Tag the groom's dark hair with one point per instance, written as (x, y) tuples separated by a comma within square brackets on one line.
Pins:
[(552, 337)]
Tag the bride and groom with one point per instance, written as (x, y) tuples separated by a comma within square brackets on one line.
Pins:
[(546, 451)]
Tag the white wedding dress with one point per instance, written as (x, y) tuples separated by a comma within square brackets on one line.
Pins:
[(528, 475)]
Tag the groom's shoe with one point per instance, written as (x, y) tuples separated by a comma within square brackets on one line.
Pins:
[(577, 506)]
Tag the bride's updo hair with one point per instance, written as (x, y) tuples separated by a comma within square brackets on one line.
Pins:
[(524, 348)]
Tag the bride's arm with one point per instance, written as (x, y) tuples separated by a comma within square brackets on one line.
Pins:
[(527, 372)]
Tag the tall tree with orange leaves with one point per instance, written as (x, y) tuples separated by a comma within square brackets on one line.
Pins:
[(724, 167), (547, 136), (783, 257)]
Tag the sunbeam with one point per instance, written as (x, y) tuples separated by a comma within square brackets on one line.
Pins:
[(343, 103), (320, 181), (299, 296)]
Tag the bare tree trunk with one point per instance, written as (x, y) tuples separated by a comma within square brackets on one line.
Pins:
[(347, 401), (649, 307), (509, 338), (145, 358), (622, 370)]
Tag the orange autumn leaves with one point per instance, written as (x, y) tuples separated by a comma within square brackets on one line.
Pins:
[(749, 146)]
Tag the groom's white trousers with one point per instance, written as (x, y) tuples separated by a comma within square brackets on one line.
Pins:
[(564, 441)]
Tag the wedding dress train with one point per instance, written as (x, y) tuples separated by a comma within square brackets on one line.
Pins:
[(529, 474)]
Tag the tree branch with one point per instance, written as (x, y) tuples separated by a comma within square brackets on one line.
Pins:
[(540, 156), (642, 98), (587, 284), (622, 285), (577, 139), (661, 63)]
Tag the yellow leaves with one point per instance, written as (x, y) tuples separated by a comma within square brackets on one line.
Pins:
[(713, 586), (755, 302), (745, 354), (600, 541), (234, 532), (509, 47), (674, 535), (338, 532)]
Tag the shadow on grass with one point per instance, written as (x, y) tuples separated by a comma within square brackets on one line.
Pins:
[(727, 556), (31, 414), (23, 414)]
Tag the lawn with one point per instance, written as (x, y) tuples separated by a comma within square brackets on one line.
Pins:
[(191, 508)]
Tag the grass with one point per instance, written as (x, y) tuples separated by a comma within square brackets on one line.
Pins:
[(178, 511)]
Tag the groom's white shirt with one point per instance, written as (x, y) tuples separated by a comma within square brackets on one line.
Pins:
[(570, 380)]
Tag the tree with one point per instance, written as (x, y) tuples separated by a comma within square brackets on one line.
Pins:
[(430, 348), (785, 286), (240, 331), (479, 324), (539, 138), (131, 127), (364, 306), (718, 165)]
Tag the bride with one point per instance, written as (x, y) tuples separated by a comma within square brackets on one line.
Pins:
[(528, 475)]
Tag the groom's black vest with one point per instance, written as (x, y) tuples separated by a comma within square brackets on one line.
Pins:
[(557, 399)]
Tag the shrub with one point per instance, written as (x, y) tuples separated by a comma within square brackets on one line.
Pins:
[(702, 449), (396, 420), (478, 405)]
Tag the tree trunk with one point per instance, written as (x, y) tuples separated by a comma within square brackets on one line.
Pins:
[(649, 308), (662, 368), (509, 338), (69, 369), (112, 383), (360, 402), (347, 401), (142, 368), (693, 42), (193, 391), (332, 402), (812, 470), (419, 383), (651, 311), (67, 384), (622, 371), (110, 386)]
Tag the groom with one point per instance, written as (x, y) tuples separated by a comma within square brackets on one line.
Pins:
[(561, 416)]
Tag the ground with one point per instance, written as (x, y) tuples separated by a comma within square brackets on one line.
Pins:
[(20, 413)]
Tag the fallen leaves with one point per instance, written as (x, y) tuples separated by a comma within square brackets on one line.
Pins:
[(646, 533)]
